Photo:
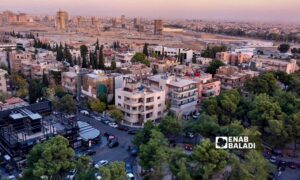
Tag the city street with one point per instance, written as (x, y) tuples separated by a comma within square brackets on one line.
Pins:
[(103, 152)]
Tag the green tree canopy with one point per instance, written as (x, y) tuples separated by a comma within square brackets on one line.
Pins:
[(113, 171), (213, 66), (97, 106), (283, 48), (141, 58), (170, 126), (208, 159), (53, 158)]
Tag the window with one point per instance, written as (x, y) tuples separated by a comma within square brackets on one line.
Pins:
[(119, 97), (159, 105), (158, 97)]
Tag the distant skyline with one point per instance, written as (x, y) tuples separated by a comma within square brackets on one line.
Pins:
[(242, 10)]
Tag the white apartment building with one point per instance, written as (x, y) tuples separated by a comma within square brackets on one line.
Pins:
[(124, 57), (185, 54), (182, 93), (139, 103)]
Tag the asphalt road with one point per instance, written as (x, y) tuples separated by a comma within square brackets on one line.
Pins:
[(103, 152)]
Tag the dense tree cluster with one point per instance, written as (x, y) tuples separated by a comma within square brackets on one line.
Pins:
[(213, 66), (141, 58), (210, 52)]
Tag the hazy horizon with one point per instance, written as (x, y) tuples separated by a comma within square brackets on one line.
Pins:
[(254, 10)]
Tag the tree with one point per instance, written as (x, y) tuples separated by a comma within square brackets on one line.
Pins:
[(269, 118), (101, 64), (213, 66), (254, 166), (116, 114), (35, 90), (97, 106), (113, 65), (265, 83), (83, 52), (141, 58), (59, 52), (293, 128), (210, 52), (145, 49), (143, 136), (154, 153), (170, 126), (113, 171), (283, 48), (68, 55), (48, 93), (52, 159), (208, 159), (183, 173), (67, 104)]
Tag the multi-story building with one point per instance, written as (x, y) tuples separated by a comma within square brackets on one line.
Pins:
[(232, 77), (234, 58), (16, 58), (61, 20), (139, 103), (207, 85), (163, 65), (3, 80), (276, 65), (12, 103), (182, 93), (137, 71), (124, 57), (96, 84), (185, 55), (158, 26), (69, 80)]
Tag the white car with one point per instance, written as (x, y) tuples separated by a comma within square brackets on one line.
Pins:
[(130, 176), (101, 163), (71, 175), (84, 112), (113, 125)]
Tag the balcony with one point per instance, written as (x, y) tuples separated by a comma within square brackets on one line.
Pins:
[(180, 90)]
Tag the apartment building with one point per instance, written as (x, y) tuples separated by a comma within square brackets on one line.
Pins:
[(3, 80), (69, 80), (232, 77), (182, 54), (234, 58), (182, 93), (288, 66), (97, 83), (124, 57), (137, 71), (163, 65), (17, 57), (207, 85), (139, 103)]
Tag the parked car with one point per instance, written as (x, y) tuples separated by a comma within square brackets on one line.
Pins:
[(188, 147), (281, 165), (130, 176), (273, 160), (190, 135), (98, 176), (113, 125), (128, 168), (113, 144), (123, 128), (101, 163), (196, 115), (71, 175), (134, 151), (84, 112), (105, 121), (90, 152), (292, 165), (132, 132)]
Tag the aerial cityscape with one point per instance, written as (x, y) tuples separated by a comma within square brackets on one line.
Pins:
[(154, 90)]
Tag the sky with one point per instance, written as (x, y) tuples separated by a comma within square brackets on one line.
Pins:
[(244, 10)]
